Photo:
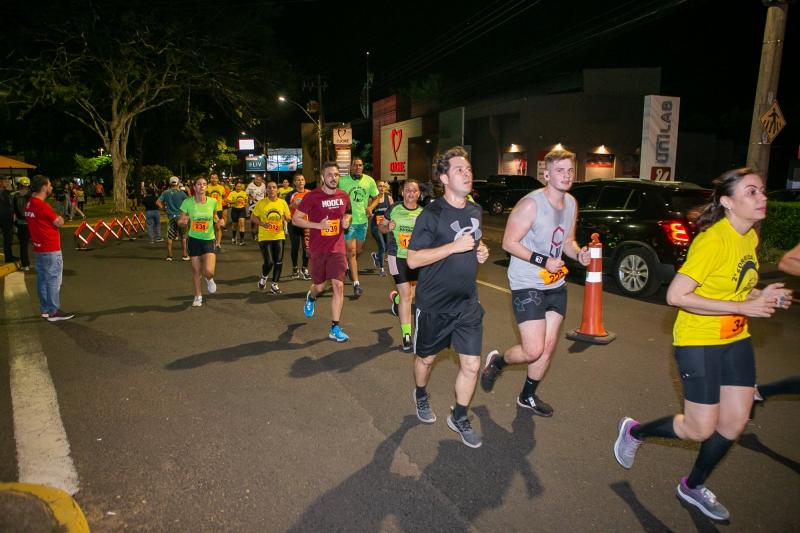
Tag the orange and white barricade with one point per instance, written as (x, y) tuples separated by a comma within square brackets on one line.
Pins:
[(591, 329)]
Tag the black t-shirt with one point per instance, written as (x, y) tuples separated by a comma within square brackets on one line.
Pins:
[(149, 201), (447, 286)]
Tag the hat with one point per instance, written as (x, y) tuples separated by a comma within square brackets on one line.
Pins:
[(174, 180), (24, 181)]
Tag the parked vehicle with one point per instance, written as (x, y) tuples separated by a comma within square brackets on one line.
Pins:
[(499, 192), (643, 226)]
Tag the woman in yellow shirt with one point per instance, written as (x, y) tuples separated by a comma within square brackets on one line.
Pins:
[(715, 293), (238, 204), (270, 215)]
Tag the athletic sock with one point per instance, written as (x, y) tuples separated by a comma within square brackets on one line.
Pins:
[(663, 427), (711, 453), (397, 298), (406, 329), (500, 363), (459, 411), (529, 388), (334, 323), (790, 385), (421, 392)]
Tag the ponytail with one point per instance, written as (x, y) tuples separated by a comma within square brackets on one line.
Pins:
[(709, 214)]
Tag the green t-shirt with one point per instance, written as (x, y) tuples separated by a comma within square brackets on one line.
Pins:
[(201, 218), (404, 220), (359, 191)]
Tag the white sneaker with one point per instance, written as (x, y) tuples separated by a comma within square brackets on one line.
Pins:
[(198, 301), (212, 287)]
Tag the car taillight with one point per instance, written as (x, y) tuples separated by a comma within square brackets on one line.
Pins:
[(676, 231)]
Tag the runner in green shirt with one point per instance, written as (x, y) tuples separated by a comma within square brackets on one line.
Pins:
[(398, 223), (199, 213), (362, 190)]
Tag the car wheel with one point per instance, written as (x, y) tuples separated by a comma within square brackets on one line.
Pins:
[(496, 207), (635, 272)]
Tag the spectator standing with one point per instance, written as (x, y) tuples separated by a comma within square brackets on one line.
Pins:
[(6, 218), (152, 215), (43, 224), (20, 200), (171, 200)]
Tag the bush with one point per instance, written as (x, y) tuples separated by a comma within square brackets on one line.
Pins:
[(781, 228)]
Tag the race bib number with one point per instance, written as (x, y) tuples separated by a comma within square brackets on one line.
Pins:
[(551, 277), (274, 227), (334, 229), (200, 226), (240, 202), (404, 239), (731, 325), (378, 219)]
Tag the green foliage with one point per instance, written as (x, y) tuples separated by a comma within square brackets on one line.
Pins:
[(154, 174), (781, 228), (88, 166)]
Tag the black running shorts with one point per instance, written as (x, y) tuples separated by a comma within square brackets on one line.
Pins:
[(399, 270), (704, 369), (532, 304), (433, 332), (237, 213), (198, 247)]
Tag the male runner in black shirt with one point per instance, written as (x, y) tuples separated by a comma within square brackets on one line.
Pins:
[(446, 247)]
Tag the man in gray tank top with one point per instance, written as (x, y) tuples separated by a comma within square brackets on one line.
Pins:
[(539, 230)]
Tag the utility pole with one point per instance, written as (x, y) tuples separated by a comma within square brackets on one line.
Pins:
[(320, 86), (767, 89)]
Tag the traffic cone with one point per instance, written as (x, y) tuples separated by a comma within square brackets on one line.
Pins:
[(592, 329)]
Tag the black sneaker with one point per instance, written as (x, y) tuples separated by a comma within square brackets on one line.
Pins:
[(262, 283), (490, 371), (58, 315), (357, 290), (536, 405), (296, 273), (407, 345), (304, 273)]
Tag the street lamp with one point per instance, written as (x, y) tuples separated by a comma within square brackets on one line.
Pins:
[(317, 123)]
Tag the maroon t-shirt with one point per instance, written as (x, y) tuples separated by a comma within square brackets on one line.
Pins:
[(44, 234), (318, 204)]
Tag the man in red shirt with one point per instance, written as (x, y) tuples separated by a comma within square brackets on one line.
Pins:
[(43, 224), (325, 211)]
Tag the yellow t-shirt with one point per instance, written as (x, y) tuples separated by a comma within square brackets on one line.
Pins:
[(725, 266), (237, 199), (283, 192), (217, 192), (273, 213)]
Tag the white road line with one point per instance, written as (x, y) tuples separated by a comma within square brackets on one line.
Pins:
[(492, 285), (43, 453)]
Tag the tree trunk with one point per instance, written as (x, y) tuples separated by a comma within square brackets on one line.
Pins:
[(119, 163)]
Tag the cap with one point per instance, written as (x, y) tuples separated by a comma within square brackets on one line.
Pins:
[(174, 180), (24, 181)]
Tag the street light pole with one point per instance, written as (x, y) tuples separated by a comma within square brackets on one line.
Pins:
[(317, 123)]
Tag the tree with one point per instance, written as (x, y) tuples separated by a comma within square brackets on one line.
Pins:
[(88, 166), (105, 65)]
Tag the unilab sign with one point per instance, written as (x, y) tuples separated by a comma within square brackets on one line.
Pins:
[(659, 137), (394, 147)]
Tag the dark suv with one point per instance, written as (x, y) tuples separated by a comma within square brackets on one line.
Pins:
[(502, 191), (642, 225)]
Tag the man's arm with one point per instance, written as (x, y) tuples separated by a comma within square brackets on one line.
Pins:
[(572, 248), (428, 256), (790, 262)]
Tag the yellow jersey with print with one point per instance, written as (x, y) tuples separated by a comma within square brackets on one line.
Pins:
[(217, 192), (238, 199), (273, 213), (723, 263)]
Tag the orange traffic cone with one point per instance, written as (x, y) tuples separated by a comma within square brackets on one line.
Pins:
[(592, 329)]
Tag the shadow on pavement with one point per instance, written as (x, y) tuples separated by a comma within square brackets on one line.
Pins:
[(91, 316), (344, 360), (374, 494), (753, 443), (232, 354), (647, 519)]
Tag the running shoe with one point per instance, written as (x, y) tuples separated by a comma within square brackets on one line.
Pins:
[(262, 283), (58, 315), (241, 243), (295, 273), (45, 315), (186, 258), (376, 261), (169, 258), (198, 301), (464, 429), (423, 405), (304, 273), (347, 273), (536, 405), (160, 239), (382, 273), (757, 395), (490, 371), (407, 345), (233, 241), (308, 307), (217, 249), (357, 290), (703, 499), (337, 334), (626, 444), (394, 297), (212, 287), (274, 288)]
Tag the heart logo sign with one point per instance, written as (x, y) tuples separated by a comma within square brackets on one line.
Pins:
[(342, 134), (397, 139)]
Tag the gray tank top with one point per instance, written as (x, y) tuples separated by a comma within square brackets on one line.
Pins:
[(546, 237)]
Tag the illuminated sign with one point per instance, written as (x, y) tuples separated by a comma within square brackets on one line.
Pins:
[(394, 147), (659, 137), (247, 144)]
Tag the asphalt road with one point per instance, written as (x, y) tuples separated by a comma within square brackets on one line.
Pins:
[(242, 416)]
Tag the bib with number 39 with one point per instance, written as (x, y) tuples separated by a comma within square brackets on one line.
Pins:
[(551, 277), (334, 228), (731, 325)]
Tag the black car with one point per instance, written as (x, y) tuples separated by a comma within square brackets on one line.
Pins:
[(643, 226), (499, 192), (784, 195)]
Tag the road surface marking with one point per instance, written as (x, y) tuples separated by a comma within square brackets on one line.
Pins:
[(492, 285), (43, 454)]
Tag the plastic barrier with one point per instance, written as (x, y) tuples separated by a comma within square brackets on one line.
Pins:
[(102, 231), (592, 329)]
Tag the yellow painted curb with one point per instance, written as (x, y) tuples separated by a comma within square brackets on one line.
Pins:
[(7, 269), (65, 510)]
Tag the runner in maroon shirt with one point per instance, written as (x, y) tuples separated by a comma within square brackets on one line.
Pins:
[(325, 212)]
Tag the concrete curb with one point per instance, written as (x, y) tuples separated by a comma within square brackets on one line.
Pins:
[(7, 269), (28, 507)]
